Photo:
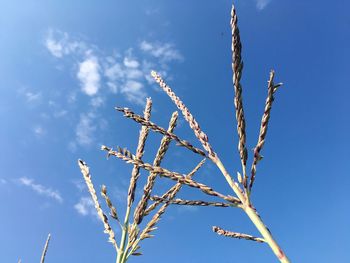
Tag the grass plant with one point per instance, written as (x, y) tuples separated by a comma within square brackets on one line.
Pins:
[(131, 232)]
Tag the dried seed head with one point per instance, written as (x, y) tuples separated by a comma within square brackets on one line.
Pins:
[(85, 170), (139, 153), (226, 233), (237, 68), (202, 137), (271, 89), (164, 145)]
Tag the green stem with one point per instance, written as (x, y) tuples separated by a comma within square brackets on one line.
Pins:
[(252, 214), (120, 258)]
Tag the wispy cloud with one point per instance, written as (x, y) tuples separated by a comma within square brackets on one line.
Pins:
[(79, 184), (97, 102), (126, 77), (39, 131), (40, 189), (261, 4), (32, 97), (134, 91), (85, 207), (85, 129), (124, 74), (89, 75), (165, 52), (59, 43)]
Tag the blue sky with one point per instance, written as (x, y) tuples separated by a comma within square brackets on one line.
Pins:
[(65, 66)]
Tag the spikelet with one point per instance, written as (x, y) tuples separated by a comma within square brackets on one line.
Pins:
[(201, 136), (178, 201), (181, 178), (263, 126), (139, 153), (237, 68), (171, 193), (112, 209), (108, 230), (139, 119), (226, 233), (164, 145)]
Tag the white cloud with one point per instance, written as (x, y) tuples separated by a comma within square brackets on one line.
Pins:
[(85, 129), (3, 181), (166, 52), (89, 75), (261, 4), (85, 206), (40, 189), (114, 72), (97, 102), (60, 113), (134, 92), (60, 44), (39, 131), (80, 184), (124, 74), (131, 63), (32, 97)]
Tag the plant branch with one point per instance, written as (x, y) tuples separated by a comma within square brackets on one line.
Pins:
[(226, 233), (181, 178), (263, 126), (171, 193), (130, 114), (85, 170), (133, 180), (178, 201), (237, 68), (45, 249)]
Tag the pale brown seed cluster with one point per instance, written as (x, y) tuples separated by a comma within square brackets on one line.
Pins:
[(43, 255), (132, 233), (202, 137), (164, 145), (178, 201), (226, 233), (108, 230), (271, 89), (139, 153), (171, 193), (237, 67), (130, 114), (112, 209), (181, 178)]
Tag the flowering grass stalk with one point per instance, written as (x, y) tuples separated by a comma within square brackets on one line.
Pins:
[(132, 234)]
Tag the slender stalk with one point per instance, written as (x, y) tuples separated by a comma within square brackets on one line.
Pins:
[(124, 235), (133, 180), (253, 215), (45, 249), (255, 218)]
